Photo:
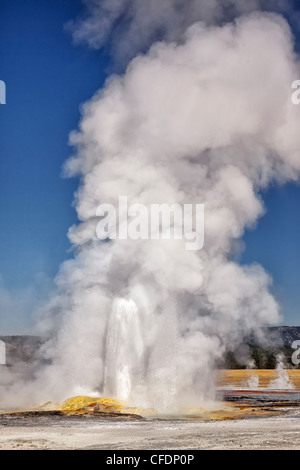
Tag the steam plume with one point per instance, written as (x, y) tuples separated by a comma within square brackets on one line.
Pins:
[(131, 26), (204, 119)]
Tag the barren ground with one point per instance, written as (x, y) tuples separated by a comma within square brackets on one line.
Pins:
[(259, 419), (280, 432)]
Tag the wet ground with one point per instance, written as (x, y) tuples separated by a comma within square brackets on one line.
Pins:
[(82, 433), (246, 419)]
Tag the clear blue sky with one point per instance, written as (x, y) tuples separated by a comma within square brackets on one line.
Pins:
[(47, 79)]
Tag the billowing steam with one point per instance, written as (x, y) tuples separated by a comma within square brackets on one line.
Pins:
[(204, 120), (282, 381), (130, 26)]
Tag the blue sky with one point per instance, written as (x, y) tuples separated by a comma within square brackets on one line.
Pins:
[(274, 243), (47, 79)]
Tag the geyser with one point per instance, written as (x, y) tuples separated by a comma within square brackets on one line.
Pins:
[(206, 121), (203, 119)]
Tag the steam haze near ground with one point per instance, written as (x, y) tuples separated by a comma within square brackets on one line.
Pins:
[(204, 117)]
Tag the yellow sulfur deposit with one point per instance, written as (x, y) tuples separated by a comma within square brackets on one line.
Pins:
[(100, 404), (81, 403), (238, 377)]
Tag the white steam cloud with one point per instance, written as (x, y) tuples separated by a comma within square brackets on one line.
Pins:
[(130, 26), (207, 120)]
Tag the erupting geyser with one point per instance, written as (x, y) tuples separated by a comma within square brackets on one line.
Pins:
[(124, 349), (204, 117)]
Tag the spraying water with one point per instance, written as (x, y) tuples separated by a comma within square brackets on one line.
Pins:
[(205, 117), (181, 126), (124, 349)]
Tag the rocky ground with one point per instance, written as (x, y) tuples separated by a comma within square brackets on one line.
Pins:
[(57, 432), (247, 419)]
